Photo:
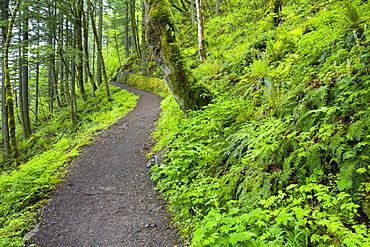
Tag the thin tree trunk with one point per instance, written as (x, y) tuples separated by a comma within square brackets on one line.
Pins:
[(217, 7), (85, 21), (126, 35), (100, 54), (13, 147), (116, 43), (192, 12), (80, 62), (99, 73), (24, 80), (73, 105), (133, 26), (201, 42), (20, 77), (4, 15), (143, 41), (135, 32), (51, 79), (52, 75), (37, 79), (70, 81)]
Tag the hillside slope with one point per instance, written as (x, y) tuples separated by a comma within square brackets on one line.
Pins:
[(281, 156)]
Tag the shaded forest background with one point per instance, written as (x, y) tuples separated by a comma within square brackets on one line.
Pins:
[(56, 51)]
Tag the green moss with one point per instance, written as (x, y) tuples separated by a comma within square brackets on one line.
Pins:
[(151, 84), (187, 92)]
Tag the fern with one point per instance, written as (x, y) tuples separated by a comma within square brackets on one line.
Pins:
[(254, 188), (346, 176), (356, 131), (352, 15)]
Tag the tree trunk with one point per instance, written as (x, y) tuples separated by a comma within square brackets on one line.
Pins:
[(100, 53), (52, 75), (134, 29), (166, 51), (201, 42), (4, 15), (13, 148), (37, 79), (192, 12), (73, 103), (116, 42), (24, 80), (99, 73), (217, 7), (80, 60), (86, 52), (126, 35), (143, 41), (51, 78)]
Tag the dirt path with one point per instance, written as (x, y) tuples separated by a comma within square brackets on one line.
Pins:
[(108, 199)]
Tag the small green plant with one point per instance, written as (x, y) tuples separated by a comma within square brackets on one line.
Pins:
[(307, 215)]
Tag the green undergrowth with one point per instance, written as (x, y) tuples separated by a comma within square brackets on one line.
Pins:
[(281, 156), (24, 190), (151, 84)]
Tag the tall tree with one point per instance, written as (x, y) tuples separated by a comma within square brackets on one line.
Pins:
[(85, 21), (99, 36), (24, 78), (143, 41), (192, 12), (126, 33), (166, 51), (13, 147), (201, 42), (4, 15), (134, 30), (78, 13), (52, 75), (99, 48)]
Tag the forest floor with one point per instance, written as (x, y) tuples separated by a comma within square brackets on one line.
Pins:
[(108, 198)]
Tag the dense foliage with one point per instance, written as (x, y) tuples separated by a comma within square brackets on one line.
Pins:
[(281, 156)]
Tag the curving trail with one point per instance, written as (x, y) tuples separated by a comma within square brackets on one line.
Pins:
[(107, 199)]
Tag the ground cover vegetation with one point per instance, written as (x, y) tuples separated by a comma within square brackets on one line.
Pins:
[(281, 155)]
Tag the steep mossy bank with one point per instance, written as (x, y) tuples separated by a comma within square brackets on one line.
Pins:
[(281, 156)]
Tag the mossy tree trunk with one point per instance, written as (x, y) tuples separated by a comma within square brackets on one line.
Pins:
[(4, 15), (166, 50), (13, 148)]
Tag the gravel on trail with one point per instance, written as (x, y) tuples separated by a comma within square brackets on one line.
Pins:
[(107, 198)]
